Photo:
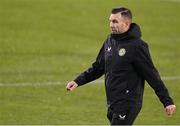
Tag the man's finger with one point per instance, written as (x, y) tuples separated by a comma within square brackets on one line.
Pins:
[(73, 87), (173, 110), (69, 88)]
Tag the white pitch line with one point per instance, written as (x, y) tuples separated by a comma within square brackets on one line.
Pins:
[(177, 1), (171, 78), (31, 84), (21, 84)]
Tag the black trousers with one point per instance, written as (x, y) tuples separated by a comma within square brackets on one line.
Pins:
[(124, 116)]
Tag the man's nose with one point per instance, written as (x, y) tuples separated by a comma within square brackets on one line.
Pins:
[(111, 24)]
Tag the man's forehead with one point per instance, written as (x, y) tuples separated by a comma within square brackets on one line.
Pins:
[(115, 16)]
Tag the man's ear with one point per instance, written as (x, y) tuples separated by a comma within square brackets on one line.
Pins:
[(127, 23)]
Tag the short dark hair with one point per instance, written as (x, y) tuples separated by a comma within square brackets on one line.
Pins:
[(124, 12)]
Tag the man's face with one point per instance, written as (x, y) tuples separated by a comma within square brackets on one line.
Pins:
[(118, 24)]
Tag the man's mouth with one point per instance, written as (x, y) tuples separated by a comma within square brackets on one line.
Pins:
[(113, 30)]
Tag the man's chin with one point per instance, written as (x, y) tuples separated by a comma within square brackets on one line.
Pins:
[(114, 32)]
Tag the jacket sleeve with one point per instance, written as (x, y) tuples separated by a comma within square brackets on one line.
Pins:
[(144, 65), (94, 72)]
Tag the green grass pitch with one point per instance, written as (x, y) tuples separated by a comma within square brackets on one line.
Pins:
[(46, 43)]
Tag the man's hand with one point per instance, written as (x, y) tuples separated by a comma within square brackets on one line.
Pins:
[(71, 86), (170, 109)]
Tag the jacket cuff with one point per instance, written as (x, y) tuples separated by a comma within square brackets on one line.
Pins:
[(168, 103), (79, 81)]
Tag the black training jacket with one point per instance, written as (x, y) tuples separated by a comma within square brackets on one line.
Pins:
[(126, 62)]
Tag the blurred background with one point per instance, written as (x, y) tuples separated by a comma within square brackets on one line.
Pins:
[(46, 43)]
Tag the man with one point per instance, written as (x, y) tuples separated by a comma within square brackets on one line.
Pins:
[(125, 60)]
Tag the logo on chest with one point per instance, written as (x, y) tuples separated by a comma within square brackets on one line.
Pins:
[(122, 52), (109, 49)]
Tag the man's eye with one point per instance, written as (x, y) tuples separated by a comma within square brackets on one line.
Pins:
[(114, 21)]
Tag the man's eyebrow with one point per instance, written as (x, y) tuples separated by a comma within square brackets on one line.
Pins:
[(111, 19)]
